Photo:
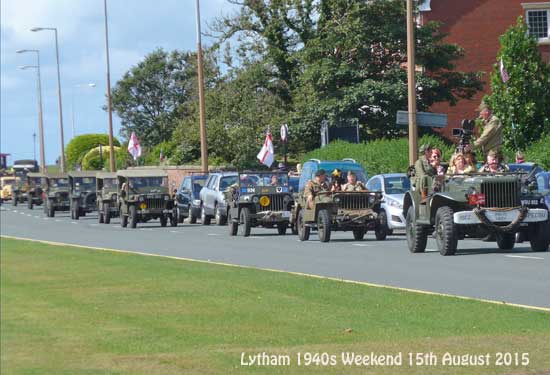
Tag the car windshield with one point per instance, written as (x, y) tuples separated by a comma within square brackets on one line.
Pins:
[(263, 179), (59, 182), (84, 183), (8, 182), (148, 184), (198, 184), (226, 182), (110, 183), (396, 185)]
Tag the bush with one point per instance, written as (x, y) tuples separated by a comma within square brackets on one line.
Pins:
[(539, 152), (92, 161), (169, 149), (379, 156), (80, 145)]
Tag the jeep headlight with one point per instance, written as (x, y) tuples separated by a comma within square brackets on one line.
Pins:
[(371, 199), (337, 199), (166, 197), (286, 200), (141, 198), (524, 189), (255, 199)]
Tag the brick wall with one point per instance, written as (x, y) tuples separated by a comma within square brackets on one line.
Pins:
[(475, 25)]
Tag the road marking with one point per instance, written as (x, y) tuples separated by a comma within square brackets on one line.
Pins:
[(256, 237), (94, 225), (58, 220), (74, 222), (361, 244), (523, 257), (431, 251), (174, 231), (419, 291), (213, 234), (149, 229)]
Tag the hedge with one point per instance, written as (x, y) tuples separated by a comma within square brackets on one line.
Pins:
[(92, 161), (80, 145)]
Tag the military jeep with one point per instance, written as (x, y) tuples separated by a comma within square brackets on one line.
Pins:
[(259, 199), (143, 196), (476, 205), (82, 193), (106, 196), (56, 193), (34, 189)]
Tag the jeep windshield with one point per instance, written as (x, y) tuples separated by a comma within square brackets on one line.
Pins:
[(263, 179), (84, 183), (145, 185), (34, 181), (8, 182), (110, 183), (397, 185), (59, 182)]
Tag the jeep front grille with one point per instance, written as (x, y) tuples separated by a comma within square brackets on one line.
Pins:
[(155, 203), (354, 201), (276, 203), (501, 194)]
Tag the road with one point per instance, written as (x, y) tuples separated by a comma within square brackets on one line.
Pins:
[(479, 270)]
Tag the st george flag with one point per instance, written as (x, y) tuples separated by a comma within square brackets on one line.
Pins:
[(134, 148), (503, 73), (266, 155)]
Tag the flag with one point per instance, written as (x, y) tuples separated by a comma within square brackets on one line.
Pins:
[(284, 132), (266, 155), (503, 73), (134, 147)]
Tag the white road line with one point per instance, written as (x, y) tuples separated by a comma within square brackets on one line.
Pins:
[(58, 220), (432, 251), (523, 257), (74, 222), (213, 234), (361, 244), (148, 229), (94, 225), (174, 231), (256, 237)]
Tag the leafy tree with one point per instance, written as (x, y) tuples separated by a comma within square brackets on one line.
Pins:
[(93, 161), (522, 103), (150, 96), (80, 145)]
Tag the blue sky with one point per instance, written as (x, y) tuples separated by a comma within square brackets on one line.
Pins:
[(136, 28)]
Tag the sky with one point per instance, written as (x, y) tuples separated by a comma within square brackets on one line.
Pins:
[(136, 28)]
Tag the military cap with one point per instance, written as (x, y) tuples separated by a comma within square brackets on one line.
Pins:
[(493, 154), (483, 106), (320, 172)]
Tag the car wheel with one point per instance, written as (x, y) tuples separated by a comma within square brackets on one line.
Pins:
[(163, 220), (539, 236), (123, 220), (220, 219), (173, 220), (506, 241), (417, 235), (281, 228), (233, 225), (446, 235), (205, 219), (359, 234), (179, 216), (192, 217), (106, 213), (381, 230), (323, 225), (245, 223), (303, 231), (132, 216)]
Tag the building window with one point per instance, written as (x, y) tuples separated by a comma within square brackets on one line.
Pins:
[(537, 20)]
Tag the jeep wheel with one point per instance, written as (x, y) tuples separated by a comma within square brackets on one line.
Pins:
[(539, 236), (303, 231), (75, 210), (100, 215), (106, 213), (29, 203), (123, 220), (446, 235), (323, 225), (417, 235), (281, 228), (220, 219), (232, 224), (359, 234), (244, 220), (381, 230), (132, 216), (51, 209), (15, 201), (163, 220), (173, 220), (205, 219), (506, 241)]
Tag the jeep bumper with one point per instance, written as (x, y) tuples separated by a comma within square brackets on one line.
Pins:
[(534, 215), (272, 216)]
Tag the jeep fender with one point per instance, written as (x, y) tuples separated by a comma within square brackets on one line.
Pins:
[(240, 206), (443, 200), (408, 201), (323, 206)]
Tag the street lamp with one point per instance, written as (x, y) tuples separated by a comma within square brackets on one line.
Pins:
[(62, 161), (39, 90), (88, 85)]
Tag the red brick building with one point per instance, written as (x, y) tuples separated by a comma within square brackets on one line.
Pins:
[(476, 25)]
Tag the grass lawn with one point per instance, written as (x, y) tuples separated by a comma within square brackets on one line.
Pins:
[(67, 310)]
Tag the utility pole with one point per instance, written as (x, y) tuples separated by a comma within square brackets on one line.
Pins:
[(411, 67), (109, 105), (34, 146), (204, 150)]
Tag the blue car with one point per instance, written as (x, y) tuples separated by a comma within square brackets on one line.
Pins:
[(188, 202), (543, 184), (313, 165), (524, 167)]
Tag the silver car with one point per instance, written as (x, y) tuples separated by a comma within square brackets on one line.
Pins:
[(393, 186), (213, 203)]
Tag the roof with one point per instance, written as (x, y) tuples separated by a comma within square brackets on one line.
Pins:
[(102, 174), (55, 175), (142, 173), (35, 174), (225, 174), (82, 173), (388, 175)]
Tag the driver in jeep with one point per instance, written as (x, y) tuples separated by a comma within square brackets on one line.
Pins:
[(353, 184), (315, 186)]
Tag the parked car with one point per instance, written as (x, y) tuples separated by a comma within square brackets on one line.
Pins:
[(393, 186), (524, 167), (213, 204), (187, 197)]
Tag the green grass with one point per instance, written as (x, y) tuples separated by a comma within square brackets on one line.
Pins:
[(68, 310)]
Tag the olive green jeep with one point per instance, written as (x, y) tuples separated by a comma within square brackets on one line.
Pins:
[(476, 205), (56, 191), (106, 196), (34, 190), (143, 196), (259, 199), (82, 193)]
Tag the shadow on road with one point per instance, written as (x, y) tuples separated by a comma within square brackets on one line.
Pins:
[(516, 250)]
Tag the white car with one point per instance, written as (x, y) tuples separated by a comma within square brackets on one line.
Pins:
[(393, 186)]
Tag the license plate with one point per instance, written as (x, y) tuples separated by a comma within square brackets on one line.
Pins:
[(285, 214)]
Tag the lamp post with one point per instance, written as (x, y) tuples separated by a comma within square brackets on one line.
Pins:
[(61, 137), (109, 104), (39, 94), (34, 146), (89, 85), (204, 150), (411, 65)]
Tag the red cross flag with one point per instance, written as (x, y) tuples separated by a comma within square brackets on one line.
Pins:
[(134, 148), (266, 155)]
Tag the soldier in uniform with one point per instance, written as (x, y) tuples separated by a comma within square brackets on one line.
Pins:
[(353, 184), (493, 164), (491, 138), (315, 186), (424, 171)]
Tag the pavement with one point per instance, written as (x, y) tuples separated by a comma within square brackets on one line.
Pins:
[(479, 270)]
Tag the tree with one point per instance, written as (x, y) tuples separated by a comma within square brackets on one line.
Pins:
[(522, 103), (92, 160), (150, 96), (80, 145)]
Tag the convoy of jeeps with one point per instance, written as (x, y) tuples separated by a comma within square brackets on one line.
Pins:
[(507, 206)]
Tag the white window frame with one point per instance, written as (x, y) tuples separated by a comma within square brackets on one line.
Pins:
[(537, 7)]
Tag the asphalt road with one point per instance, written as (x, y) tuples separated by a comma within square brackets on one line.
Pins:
[(479, 270)]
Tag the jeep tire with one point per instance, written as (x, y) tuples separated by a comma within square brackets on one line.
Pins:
[(417, 235), (381, 230), (281, 228), (205, 219), (303, 230), (106, 213), (245, 222), (446, 234), (539, 235), (359, 234), (323, 225), (506, 241), (132, 216), (163, 220), (232, 225)]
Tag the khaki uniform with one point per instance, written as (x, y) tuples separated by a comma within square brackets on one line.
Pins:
[(423, 173), (491, 138), (501, 168), (313, 188), (359, 186)]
